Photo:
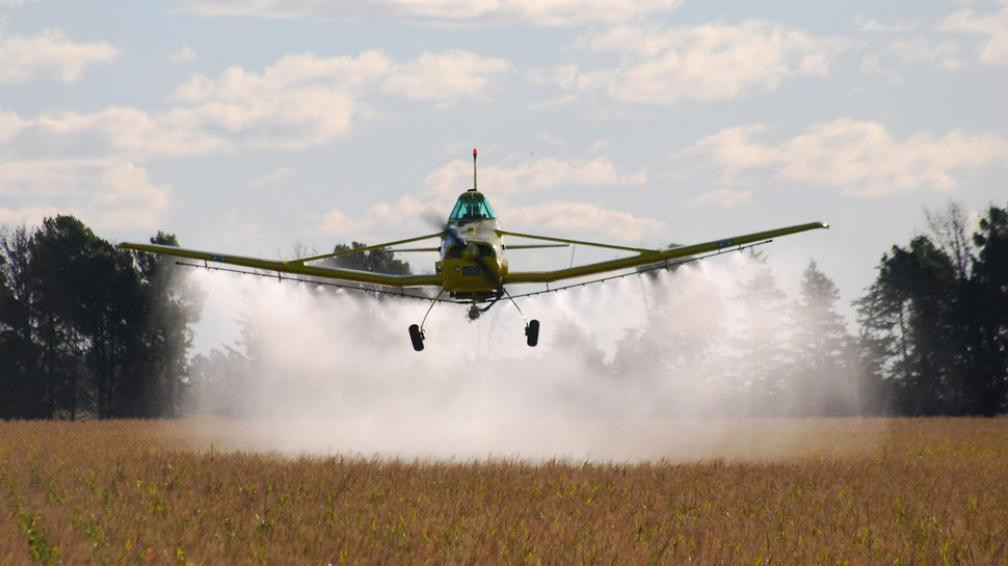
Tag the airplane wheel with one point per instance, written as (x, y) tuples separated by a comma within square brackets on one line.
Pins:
[(532, 332), (416, 336)]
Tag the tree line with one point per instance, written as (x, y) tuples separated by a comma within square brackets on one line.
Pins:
[(931, 336), (87, 329), (934, 324)]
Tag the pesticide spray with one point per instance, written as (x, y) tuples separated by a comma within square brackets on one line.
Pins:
[(631, 370)]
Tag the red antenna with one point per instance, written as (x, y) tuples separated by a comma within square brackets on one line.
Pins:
[(474, 168)]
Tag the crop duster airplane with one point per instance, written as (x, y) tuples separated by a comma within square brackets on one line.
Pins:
[(473, 269)]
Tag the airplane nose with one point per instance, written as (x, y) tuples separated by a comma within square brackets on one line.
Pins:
[(470, 252)]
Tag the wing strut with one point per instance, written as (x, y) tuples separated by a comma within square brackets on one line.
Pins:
[(304, 260), (666, 265), (649, 257)]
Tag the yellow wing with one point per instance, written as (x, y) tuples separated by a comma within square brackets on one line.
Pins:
[(300, 266), (645, 257)]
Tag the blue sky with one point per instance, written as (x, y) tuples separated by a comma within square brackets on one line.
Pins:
[(248, 126)]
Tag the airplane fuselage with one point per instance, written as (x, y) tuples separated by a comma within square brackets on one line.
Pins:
[(472, 264)]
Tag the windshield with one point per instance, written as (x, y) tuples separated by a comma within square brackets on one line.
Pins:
[(471, 206)]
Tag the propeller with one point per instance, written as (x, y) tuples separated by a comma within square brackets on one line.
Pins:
[(469, 250), (434, 220)]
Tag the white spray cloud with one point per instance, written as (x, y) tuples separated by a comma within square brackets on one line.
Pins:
[(334, 373)]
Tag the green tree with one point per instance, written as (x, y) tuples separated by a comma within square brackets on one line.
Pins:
[(171, 305), (21, 385), (377, 261), (988, 375), (84, 329), (90, 296), (761, 360), (909, 310), (825, 377)]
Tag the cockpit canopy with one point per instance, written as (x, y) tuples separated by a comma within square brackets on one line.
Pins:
[(471, 206)]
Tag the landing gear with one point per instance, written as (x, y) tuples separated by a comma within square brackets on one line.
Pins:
[(532, 333), (417, 337), (416, 333), (531, 326)]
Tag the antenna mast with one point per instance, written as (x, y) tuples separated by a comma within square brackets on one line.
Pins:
[(474, 168)]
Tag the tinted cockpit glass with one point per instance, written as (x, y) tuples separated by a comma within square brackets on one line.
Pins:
[(471, 206)]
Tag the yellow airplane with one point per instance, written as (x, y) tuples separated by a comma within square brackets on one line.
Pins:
[(472, 268)]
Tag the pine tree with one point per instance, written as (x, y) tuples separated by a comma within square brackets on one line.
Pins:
[(760, 360), (825, 371), (988, 380)]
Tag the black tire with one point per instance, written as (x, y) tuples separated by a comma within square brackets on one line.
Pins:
[(416, 337), (532, 332)]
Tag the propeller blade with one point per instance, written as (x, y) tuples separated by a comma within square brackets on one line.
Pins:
[(435, 221)]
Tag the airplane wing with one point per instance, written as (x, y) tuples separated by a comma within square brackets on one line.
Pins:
[(645, 257), (301, 266)]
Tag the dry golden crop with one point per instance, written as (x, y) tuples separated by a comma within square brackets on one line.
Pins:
[(850, 491)]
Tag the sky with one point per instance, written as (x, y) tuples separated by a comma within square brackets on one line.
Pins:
[(247, 126)]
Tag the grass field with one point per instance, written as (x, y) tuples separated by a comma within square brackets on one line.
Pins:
[(845, 491)]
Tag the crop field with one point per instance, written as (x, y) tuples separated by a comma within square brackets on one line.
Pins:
[(839, 491)]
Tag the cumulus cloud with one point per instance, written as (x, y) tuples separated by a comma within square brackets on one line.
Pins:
[(87, 162), (407, 215), (122, 131), (304, 100), (183, 55), (26, 216), (857, 157), (992, 27), (723, 198), (665, 65), (49, 55), (299, 101), (505, 184), (535, 175), (939, 53), (891, 59), (445, 78), (554, 13), (573, 217), (106, 193), (871, 25), (564, 218)]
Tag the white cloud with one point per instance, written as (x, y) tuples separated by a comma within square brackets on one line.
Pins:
[(428, 212), (556, 13), (108, 194), (565, 218), (994, 27), (857, 157), (665, 65), (183, 55), (123, 131), (304, 100), (50, 54), (10, 125), (299, 101), (942, 54), (723, 198), (273, 178), (27, 216), (872, 66), (538, 175), (445, 78), (407, 215), (871, 25)]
